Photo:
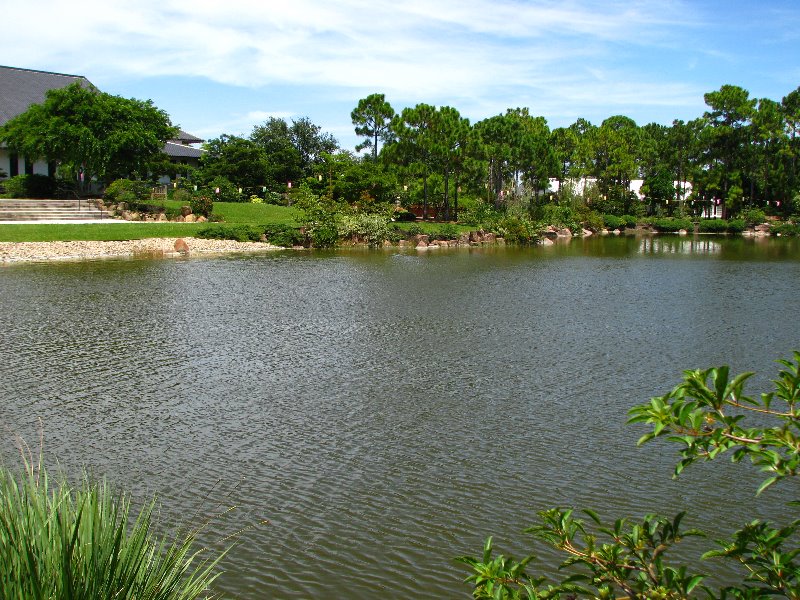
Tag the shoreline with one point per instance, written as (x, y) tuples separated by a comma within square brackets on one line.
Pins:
[(15, 252)]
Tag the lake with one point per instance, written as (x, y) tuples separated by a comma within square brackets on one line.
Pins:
[(386, 411)]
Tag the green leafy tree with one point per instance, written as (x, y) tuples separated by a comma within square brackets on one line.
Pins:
[(708, 414), (239, 160), (84, 130), (372, 119)]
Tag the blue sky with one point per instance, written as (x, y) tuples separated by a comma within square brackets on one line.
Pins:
[(223, 67)]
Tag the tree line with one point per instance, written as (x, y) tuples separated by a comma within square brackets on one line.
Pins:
[(742, 152)]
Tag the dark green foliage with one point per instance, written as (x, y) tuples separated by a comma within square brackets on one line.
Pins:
[(404, 216), (106, 136), (283, 235), (670, 225), (753, 216), (557, 215), (201, 204), (126, 190), (237, 232), (623, 222), (227, 191), (736, 226), (712, 226), (517, 230), (30, 186), (447, 231), (785, 229)]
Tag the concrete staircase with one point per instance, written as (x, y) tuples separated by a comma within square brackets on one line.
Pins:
[(50, 210)]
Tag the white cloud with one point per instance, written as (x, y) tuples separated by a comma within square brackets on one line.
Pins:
[(473, 54)]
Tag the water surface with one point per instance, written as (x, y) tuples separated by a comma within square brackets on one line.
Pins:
[(386, 411)]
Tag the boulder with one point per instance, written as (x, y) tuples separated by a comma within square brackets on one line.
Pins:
[(463, 238), (762, 228), (181, 246), (404, 243), (682, 232), (422, 243), (616, 232), (161, 217), (475, 236), (489, 238), (180, 219), (189, 218), (200, 219), (587, 232), (387, 244), (546, 241), (565, 232), (186, 210)]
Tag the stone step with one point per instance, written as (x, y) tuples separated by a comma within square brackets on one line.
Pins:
[(45, 204), (49, 210)]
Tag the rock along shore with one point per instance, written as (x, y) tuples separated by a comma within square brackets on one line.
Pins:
[(151, 247)]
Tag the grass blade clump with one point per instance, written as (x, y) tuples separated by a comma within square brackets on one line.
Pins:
[(64, 542)]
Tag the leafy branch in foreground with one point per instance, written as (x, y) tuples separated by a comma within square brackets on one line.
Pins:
[(705, 414)]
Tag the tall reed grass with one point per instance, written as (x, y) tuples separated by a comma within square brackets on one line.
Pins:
[(63, 542)]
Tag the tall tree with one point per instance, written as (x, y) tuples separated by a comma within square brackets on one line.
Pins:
[(105, 136), (415, 130), (372, 118), (725, 139)]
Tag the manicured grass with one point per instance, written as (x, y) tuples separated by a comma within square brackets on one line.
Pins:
[(232, 212), (98, 231)]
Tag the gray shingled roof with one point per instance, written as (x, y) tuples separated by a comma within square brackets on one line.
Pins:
[(174, 150), (187, 138), (19, 88)]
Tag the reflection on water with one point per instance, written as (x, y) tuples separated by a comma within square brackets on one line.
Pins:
[(386, 411), (661, 245)]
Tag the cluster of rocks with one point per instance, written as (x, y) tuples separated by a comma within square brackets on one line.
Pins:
[(759, 230), (151, 247), (470, 238), (121, 211)]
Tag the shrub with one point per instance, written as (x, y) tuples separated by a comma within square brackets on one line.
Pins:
[(784, 229), (57, 541), (480, 214), (30, 186), (127, 190), (182, 195), (227, 191), (256, 199), (404, 216), (671, 225), (238, 232), (590, 219), (613, 222), (753, 216), (558, 216), (517, 230), (736, 226), (283, 235), (412, 230), (201, 205), (447, 231), (712, 226), (371, 229)]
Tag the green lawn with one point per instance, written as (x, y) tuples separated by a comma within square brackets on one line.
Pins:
[(232, 212)]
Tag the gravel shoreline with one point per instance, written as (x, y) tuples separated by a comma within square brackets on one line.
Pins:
[(92, 250)]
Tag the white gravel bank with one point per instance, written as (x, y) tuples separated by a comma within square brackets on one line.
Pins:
[(156, 247)]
